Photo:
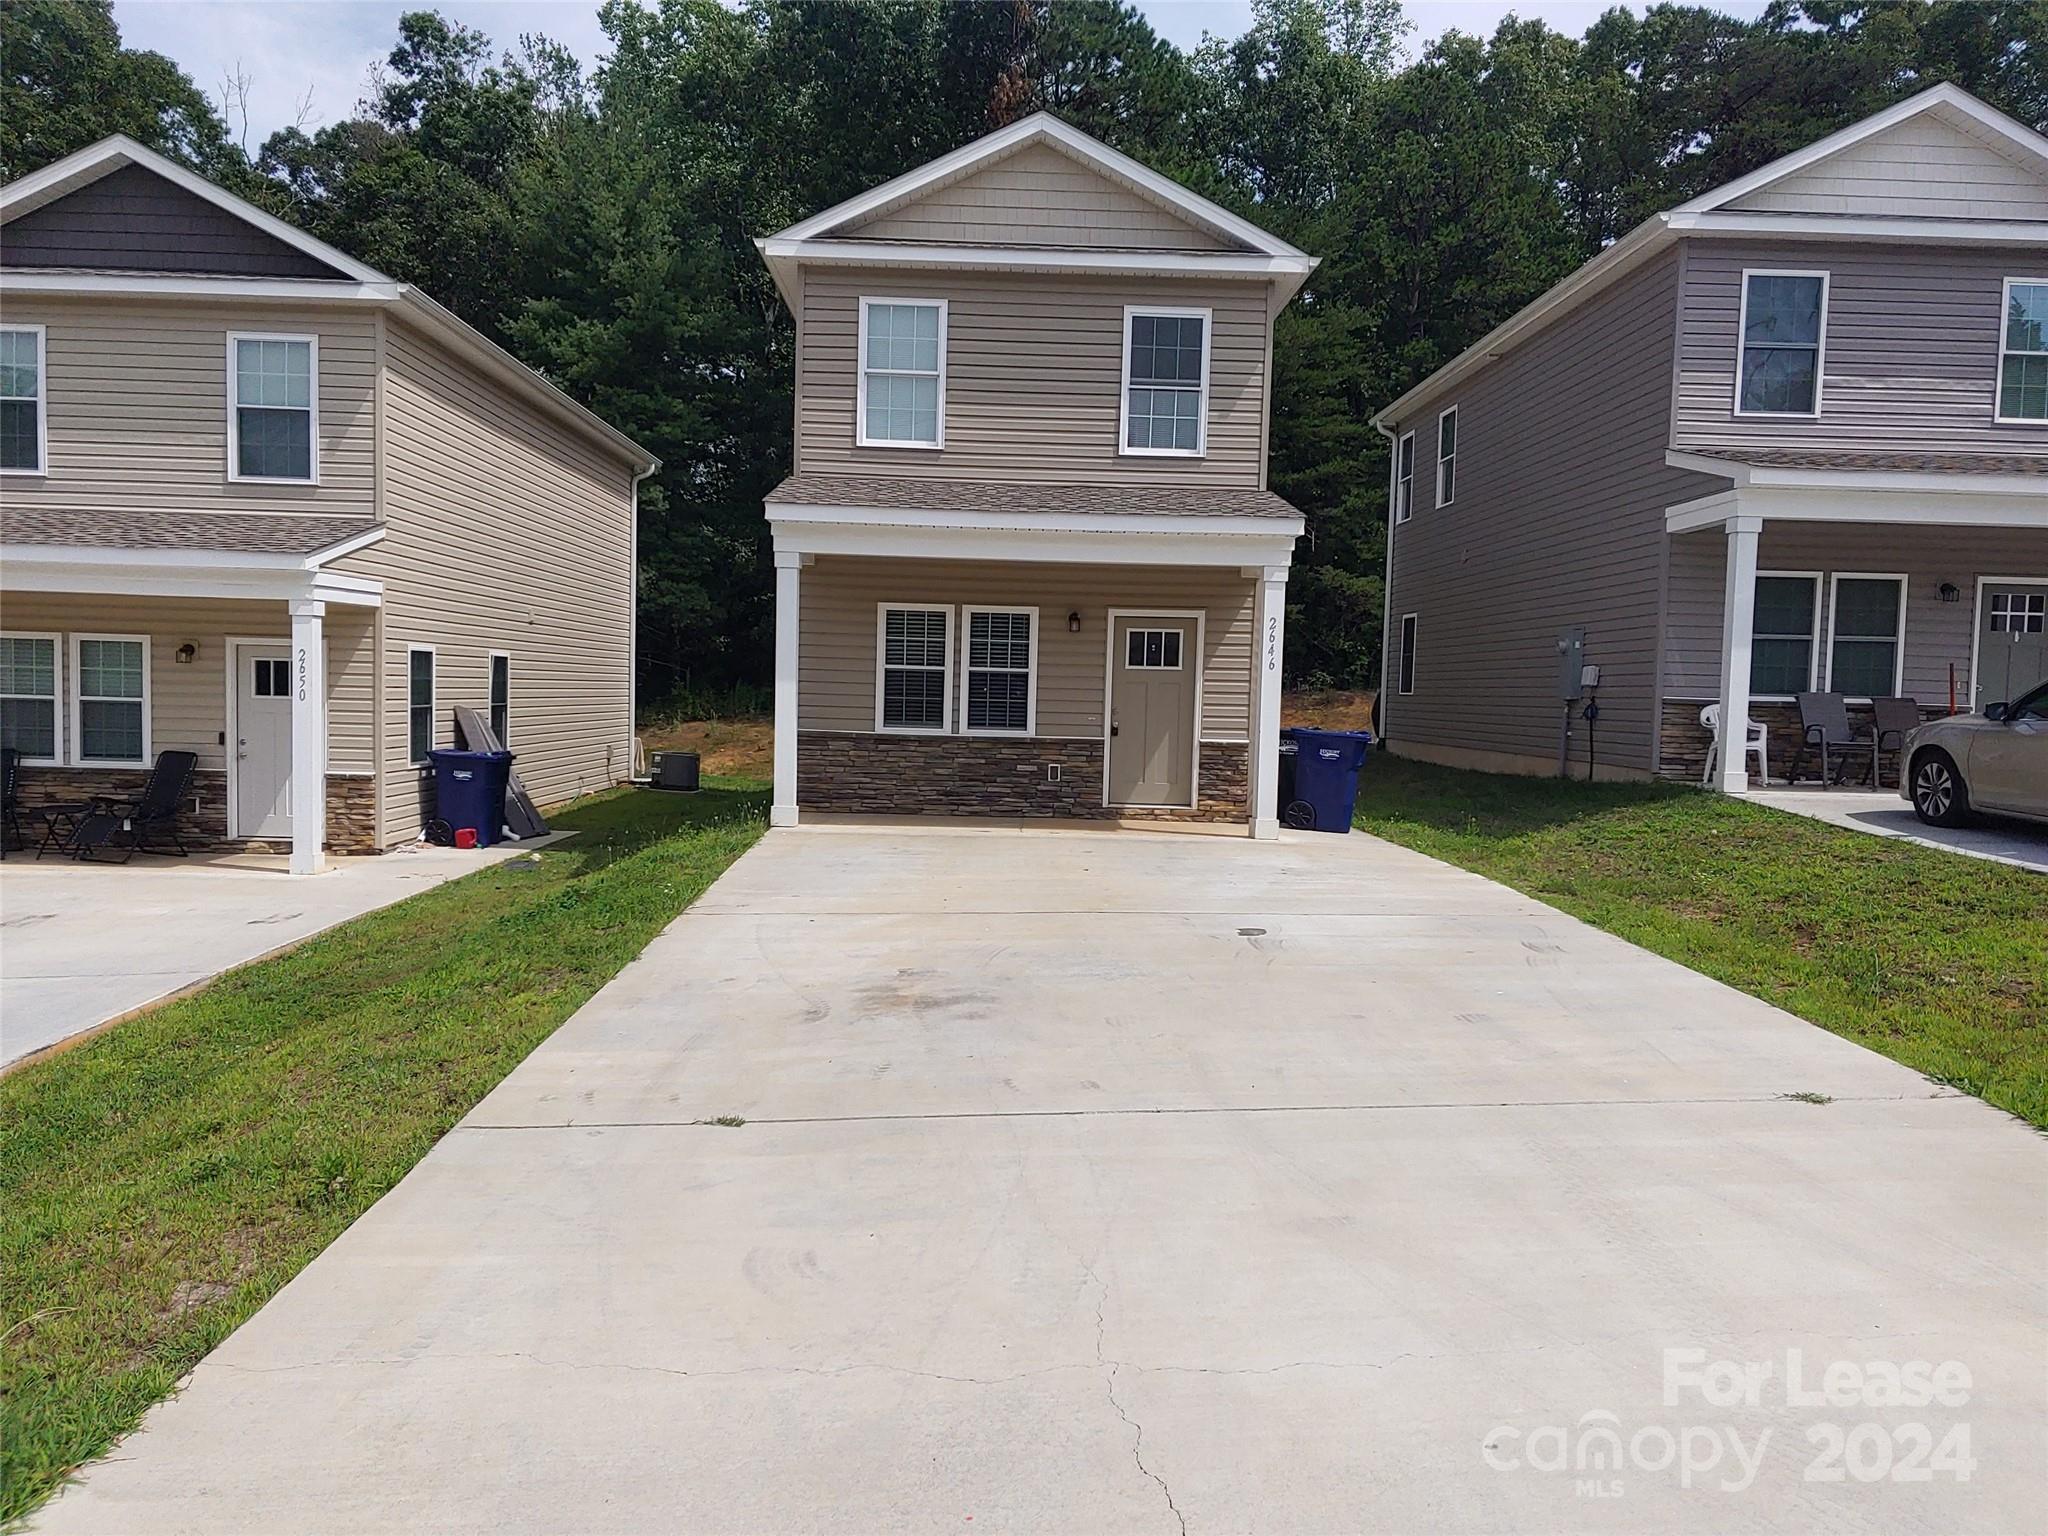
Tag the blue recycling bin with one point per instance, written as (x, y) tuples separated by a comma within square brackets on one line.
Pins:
[(469, 791), (1325, 787)]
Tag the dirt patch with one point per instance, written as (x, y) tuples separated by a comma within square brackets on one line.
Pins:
[(738, 748), (1335, 710)]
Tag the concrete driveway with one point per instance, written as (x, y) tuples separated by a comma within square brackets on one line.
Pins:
[(1106, 1183), (82, 944)]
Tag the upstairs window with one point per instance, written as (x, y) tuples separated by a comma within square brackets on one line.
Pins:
[(1404, 478), (914, 670), (1867, 638), (1782, 650), (1447, 457), (1001, 651), (28, 696), (273, 396), (1166, 381), (2023, 352), (22, 430), (902, 373), (1778, 353)]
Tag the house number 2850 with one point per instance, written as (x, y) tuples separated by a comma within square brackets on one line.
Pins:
[(302, 671)]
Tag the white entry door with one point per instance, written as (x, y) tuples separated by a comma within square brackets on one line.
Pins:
[(263, 741)]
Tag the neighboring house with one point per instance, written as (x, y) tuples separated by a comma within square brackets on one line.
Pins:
[(1789, 437), (1027, 564), (261, 502)]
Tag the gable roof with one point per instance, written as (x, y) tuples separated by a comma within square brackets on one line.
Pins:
[(834, 235), (1715, 213)]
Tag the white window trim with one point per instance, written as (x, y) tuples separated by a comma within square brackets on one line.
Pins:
[(1123, 405), (1404, 662), (1998, 380), (1835, 581), (57, 709), (1814, 578), (1403, 513), (312, 409), (433, 703), (491, 658), (860, 370), (42, 468), (967, 613), (882, 611), (77, 742), (1820, 344), (1458, 427)]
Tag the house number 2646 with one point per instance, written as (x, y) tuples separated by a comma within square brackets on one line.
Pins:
[(1273, 643)]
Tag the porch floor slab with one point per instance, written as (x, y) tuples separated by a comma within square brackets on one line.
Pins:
[(1884, 814), (85, 945)]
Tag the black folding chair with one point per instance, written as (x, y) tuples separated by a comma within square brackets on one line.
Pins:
[(10, 826), (1824, 725), (155, 810), (1894, 718)]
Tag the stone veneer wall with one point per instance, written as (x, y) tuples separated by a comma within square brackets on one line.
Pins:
[(994, 776), (351, 804), (1685, 741)]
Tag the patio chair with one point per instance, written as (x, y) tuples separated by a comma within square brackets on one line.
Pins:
[(10, 826), (1824, 726), (1895, 717), (1756, 743), (155, 809)]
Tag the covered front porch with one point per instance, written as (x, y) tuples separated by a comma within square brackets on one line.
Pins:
[(1805, 577), (261, 665)]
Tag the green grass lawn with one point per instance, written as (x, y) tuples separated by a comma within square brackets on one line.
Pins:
[(1937, 960), (162, 1182)]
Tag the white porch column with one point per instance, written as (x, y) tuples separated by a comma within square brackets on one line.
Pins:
[(782, 811), (1272, 621), (1738, 622), (309, 735)]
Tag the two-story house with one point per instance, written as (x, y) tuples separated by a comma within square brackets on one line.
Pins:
[(260, 502), (1789, 437), (1026, 563)]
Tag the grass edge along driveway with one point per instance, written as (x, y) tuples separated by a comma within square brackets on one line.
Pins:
[(166, 1179), (1934, 959)]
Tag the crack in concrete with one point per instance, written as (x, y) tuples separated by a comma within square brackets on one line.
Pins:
[(1109, 1384)]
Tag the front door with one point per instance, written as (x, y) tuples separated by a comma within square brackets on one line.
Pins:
[(2012, 641), (1152, 666), (263, 741)]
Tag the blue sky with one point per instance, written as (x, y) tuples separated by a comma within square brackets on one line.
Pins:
[(295, 51)]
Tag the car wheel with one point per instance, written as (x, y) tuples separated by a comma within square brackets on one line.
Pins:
[(1939, 795)]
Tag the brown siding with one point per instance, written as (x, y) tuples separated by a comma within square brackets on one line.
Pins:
[(138, 401), (132, 220), (1937, 633), (1911, 360), (1039, 197), (1558, 520), (836, 668), (1034, 370), (506, 532)]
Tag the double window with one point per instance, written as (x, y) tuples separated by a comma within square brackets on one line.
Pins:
[(1166, 381), (1780, 341), (273, 400), (1404, 478), (914, 660), (419, 701), (1866, 634), (1784, 632), (23, 426), (1447, 457), (902, 373), (2023, 352)]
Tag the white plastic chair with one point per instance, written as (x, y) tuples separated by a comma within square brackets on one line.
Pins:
[(1758, 746)]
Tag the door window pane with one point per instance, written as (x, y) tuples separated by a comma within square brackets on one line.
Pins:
[(1153, 648)]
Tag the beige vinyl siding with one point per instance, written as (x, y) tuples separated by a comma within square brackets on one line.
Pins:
[(836, 632), (1911, 349), (505, 532), (1558, 521), (1039, 196), (1937, 634), (1922, 168), (138, 407), (188, 700), (1034, 374)]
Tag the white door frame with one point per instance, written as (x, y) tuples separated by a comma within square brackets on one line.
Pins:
[(1977, 626), (230, 747), (1201, 618)]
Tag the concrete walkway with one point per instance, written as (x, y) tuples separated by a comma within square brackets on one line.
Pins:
[(2002, 839), (84, 943), (1107, 1183)]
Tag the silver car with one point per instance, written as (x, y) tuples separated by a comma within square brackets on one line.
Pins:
[(1993, 761)]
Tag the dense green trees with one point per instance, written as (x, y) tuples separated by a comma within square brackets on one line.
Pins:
[(602, 227)]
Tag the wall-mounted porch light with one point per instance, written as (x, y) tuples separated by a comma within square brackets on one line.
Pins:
[(1073, 623), (185, 653), (1950, 592)]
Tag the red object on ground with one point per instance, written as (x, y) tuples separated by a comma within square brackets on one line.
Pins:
[(465, 837)]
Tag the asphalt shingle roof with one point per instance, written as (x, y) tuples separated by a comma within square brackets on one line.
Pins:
[(1032, 498), (1857, 458), (228, 532)]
